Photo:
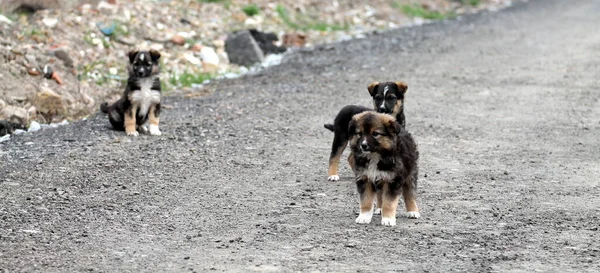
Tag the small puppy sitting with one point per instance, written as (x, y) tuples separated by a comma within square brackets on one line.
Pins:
[(141, 100), (384, 160), (388, 98)]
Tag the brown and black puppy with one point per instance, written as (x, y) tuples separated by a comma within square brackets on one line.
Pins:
[(384, 158), (141, 100), (388, 97)]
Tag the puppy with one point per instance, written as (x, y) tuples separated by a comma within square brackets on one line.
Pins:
[(141, 100), (387, 98), (384, 159)]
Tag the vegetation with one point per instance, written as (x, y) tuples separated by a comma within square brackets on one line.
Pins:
[(251, 10), (307, 24)]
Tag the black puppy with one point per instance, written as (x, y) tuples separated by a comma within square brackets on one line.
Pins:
[(384, 159), (141, 100), (388, 98)]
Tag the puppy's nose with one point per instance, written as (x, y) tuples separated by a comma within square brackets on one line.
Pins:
[(364, 146), (381, 109)]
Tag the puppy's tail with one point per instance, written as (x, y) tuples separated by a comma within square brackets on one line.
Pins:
[(104, 107), (328, 127)]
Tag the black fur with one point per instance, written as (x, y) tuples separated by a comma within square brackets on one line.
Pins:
[(140, 69), (394, 152), (393, 96)]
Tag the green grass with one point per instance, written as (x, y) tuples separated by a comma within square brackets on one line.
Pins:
[(415, 10), (473, 3), (186, 79), (251, 10), (308, 23)]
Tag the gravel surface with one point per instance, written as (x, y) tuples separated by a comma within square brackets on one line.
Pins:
[(504, 107)]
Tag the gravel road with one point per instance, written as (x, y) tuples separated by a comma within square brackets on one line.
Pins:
[(504, 107)]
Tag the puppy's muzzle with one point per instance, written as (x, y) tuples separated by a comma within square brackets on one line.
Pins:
[(364, 146)]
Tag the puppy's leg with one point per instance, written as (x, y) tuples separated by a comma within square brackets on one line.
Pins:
[(379, 202), (366, 193), (337, 148), (410, 201), (153, 117), (389, 206), (130, 123)]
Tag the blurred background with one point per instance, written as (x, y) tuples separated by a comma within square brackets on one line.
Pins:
[(59, 59)]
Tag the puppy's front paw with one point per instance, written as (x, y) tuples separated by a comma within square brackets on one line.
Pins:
[(390, 222), (134, 133), (413, 214), (334, 177), (154, 130), (364, 218)]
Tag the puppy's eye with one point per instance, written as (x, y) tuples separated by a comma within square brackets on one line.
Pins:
[(375, 134), (359, 133), (392, 97)]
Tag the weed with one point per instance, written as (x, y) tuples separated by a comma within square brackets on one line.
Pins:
[(309, 23), (419, 11), (186, 79), (251, 10), (473, 3)]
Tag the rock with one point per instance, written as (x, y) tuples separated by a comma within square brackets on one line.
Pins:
[(266, 42), (178, 40), (5, 20), (50, 22), (2, 104), (192, 59), (5, 138), (14, 114), (33, 71), (242, 49), (32, 112), (210, 59), (62, 55), (48, 102), (197, 47), (34, 126), (294, 39)]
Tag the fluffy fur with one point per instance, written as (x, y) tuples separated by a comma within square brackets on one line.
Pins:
[(384, 159), (141, 99), (387, 98)]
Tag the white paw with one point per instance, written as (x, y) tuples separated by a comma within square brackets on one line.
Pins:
[(134, 133), (334, 177), (390, 222), (154, 130), (413, 214), (364, 218), (377, 211)]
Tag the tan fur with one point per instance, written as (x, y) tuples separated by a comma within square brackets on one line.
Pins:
[(410, 199), (389, 203), (335, 161), (152, 118), (371, 87), (366, 202), (130, 119)]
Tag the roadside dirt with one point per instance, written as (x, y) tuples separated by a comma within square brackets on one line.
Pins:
[(504, 108)]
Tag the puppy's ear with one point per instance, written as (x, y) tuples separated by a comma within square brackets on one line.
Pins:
[(372, 87), (393, 127), (402, 87), (132, 55), (154, 55)]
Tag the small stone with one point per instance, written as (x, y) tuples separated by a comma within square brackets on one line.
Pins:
[(192, 59), (50, 22), (2, 104), (294, 40), (5, 20), (34, 71), (197, 47), (48, 102), (242, 49), (34, 126), (210, 59), (64, 56), (14, 114), (178, 39)]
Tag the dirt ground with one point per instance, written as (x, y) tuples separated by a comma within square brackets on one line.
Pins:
[(504, 107)]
